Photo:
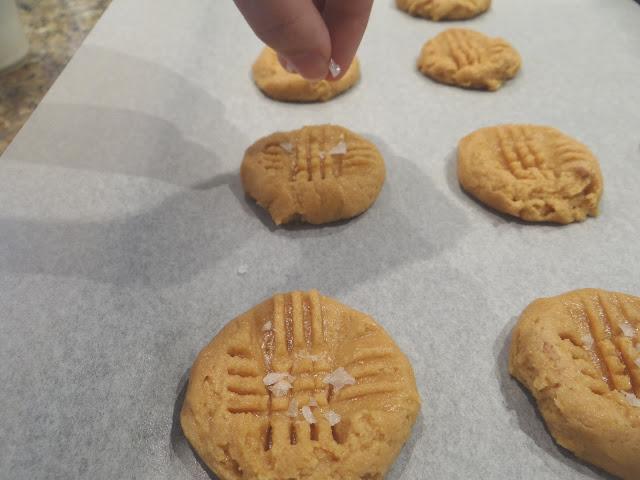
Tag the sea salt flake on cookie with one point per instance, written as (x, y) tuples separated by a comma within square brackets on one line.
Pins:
[(587, 341), (339, 379), (293, 408), (308, 356), (281, 388), (339, 149), (308, 415), (287, 147), (332, 417), (275, 377), (627, 330), (632, 399)]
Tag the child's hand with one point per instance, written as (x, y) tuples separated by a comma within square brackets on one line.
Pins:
[(307, 34)]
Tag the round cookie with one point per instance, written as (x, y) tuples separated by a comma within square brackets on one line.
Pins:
[(300, 387), (579, 355), (532, 172), (279, 84), (444, 9), (317, 174), (469, 59)]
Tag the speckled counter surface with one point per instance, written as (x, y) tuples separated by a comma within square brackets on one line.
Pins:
[(55, 28)]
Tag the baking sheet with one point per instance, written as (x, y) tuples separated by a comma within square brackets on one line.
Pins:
[(123, 226)]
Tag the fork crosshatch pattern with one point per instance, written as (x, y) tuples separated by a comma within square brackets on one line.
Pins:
[(308, 338), (533, 172), (579, 355), (317, 174)]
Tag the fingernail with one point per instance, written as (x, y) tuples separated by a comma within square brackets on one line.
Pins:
[(286, 64), (334, 68), (289, 67), (312, 66)]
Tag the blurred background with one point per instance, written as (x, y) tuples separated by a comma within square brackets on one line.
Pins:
[(54, 30)]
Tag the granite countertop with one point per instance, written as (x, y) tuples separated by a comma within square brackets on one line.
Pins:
[(55, 28)]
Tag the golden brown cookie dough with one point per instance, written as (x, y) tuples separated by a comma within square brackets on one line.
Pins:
[(579, 355), (277, 83), (469, 59), (300, 387), (532, 172), (317, 174), (444, 9)]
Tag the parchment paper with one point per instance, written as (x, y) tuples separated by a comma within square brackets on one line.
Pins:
[(123, 227)]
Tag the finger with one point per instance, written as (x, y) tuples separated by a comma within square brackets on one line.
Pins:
[(346, 21), (295, 29)]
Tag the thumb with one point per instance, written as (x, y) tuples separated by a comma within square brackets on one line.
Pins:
[(293, 28)]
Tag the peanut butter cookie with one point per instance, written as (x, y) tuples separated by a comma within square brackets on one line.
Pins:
[(279, 84), (300, 387), (317, 174), (444, 9), (579, 355), (469, 59), (536, 173)]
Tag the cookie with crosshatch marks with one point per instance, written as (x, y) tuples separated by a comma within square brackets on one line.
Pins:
[(469, 59), (279, 84), (579, 355), (532, 172), (301, 387), (444, 9), (317, 174)]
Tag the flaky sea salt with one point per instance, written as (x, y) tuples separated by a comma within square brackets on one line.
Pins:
[(308, 356), (281, 388), (293, 408), (275, 377), (242, 269), (287, 147), (332, 417), (587, 341), (313, 402), (334, 68), (339, 149), (339, 378), (267, 326), (308, 415), (632, 399), (627, 330)]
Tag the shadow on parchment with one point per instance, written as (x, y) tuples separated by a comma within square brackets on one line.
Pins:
[(526, 415), (180, 447), (208, 217), (193, 229), (164, 244), (411, 221), (401, 463)]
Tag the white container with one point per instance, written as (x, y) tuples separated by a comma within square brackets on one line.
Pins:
[(13, 41)]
